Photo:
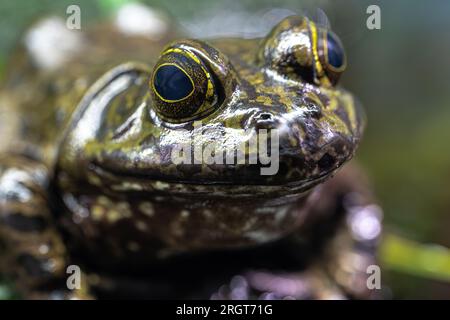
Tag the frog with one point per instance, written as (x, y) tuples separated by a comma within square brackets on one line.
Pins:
[(91, 182)]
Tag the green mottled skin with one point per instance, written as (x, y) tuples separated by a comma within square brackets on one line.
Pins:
[(101, 191)]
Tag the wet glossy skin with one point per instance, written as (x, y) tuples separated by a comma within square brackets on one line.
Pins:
[(115, 194), (127, 151)]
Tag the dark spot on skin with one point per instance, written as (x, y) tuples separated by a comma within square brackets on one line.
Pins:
[(306, 73), (33, 266), (24, 223), (314, 111), (326, 162)]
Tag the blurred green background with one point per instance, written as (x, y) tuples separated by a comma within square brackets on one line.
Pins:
[(401, 74)]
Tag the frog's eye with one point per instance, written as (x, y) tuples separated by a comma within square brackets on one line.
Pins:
[(334, 52), (182, 86), (331, 54), (299, 49)]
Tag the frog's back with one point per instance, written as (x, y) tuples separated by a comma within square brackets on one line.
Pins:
[(50, 72)]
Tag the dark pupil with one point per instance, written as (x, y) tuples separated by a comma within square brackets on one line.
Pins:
[(335, 51), (171, 83)]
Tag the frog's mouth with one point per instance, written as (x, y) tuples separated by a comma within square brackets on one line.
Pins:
[(140, 183), (288, 174)]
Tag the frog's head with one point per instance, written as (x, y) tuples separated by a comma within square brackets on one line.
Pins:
[(175, 124)]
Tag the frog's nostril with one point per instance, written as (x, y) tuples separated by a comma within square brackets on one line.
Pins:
[(265, 116), (265, 121)]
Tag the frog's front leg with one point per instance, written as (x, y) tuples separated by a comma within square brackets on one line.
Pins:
[(34, 254)]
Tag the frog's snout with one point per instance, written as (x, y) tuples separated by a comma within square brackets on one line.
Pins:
[(312, 142)]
